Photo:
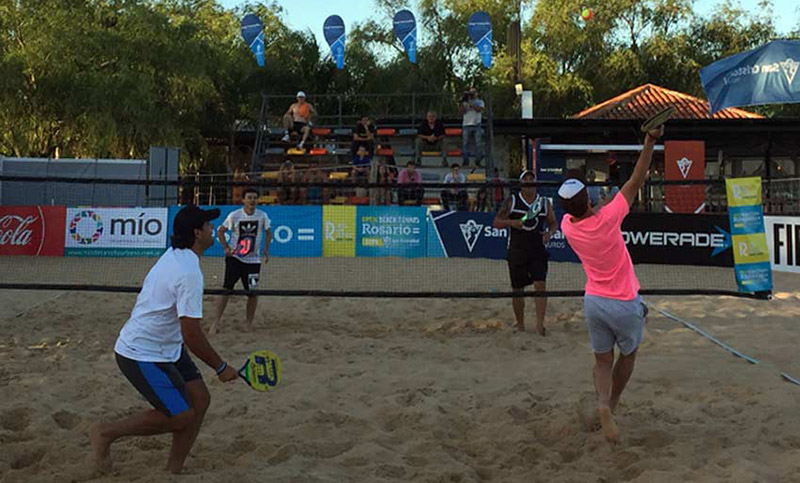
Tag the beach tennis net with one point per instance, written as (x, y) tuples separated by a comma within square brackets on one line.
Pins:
[(350, 247)]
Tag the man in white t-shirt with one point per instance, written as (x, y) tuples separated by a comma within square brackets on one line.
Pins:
[(150, 349), (248, 227), (471, 131)]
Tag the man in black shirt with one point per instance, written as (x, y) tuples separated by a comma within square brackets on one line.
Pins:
[(364, 135), (526, 214), (430, 135)]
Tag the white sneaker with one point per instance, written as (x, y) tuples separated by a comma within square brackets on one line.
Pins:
[(285, 138), (300, 146)]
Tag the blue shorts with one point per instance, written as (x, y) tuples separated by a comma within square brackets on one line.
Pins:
[(611, 321), (163, 384)]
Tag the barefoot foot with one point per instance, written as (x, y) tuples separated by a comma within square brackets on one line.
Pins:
[(100, 449), (610, 430), (541, 330), (519, 327)]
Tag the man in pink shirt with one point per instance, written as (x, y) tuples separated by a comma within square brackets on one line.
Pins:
[(410, 185), (614, 310)]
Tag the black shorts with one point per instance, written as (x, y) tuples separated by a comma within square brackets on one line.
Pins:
[(235, 270), (298, 127), (163, 384), (526, 268)]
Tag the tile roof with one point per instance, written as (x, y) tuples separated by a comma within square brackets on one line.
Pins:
[(646, 100)]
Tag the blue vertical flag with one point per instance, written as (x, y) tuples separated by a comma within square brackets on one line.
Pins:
[(405, 29), (480, 31), (253, 34), (766, 75), (334, 34)]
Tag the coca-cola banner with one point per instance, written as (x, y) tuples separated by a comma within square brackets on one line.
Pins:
[(32, 230)]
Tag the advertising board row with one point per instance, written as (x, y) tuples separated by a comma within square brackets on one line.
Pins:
[(349, 231)]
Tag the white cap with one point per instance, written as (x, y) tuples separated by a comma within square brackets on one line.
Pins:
[(570, 188), (301, 94), (527, 172)]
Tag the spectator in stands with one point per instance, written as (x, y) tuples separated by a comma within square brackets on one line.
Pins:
[(362, 162), (364, 135), (288, 195), (298, 120), (499, 191), (455, 195), (314, 195), (482, 202), (471, 111), (382, 195), (430, 135), (410, 189)]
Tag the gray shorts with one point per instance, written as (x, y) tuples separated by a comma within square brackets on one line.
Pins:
[(613, 321)]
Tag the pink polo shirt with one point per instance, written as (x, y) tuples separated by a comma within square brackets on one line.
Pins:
[(598, 242)]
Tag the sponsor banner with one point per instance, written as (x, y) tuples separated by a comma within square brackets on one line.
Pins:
[(783, 240), (387, 231), (115, 232), (764, 75), (469, 235), (339, 231), (685, 160), (32, 230), (479, 27), (296, 230), (677, 239), (405, 29), (750, 249)]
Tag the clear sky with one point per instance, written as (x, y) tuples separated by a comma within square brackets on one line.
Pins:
[(310, 14)]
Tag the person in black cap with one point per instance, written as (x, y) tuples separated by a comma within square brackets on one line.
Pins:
[(151, 347), (532, 223)]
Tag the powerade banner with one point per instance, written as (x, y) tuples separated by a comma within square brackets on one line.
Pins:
[(253, 35), (405, 29), (766, 75), (678, 239), (115, 232), (296, 230), (750, 251), (783, 239), (32, 230), (391, 231), (334, 34), (480, 31)]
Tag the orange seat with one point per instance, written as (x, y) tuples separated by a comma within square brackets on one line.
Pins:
[(453, 131), (386, 131), (359, 200), (454, 152), (431, 201), (384, 152), (318, 151), (321, 131)]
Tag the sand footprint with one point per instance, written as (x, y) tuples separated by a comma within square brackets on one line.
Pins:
[(16, 419), (66, 419)]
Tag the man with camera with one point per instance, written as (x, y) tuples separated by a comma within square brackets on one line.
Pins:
[(471, 110)]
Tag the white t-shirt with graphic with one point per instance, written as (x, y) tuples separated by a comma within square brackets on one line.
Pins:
[(247, 234), (172, 289)]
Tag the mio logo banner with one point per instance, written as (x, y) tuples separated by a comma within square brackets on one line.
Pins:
[(115, 231)]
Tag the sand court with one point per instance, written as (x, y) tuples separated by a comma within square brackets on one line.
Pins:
[(416, 390)]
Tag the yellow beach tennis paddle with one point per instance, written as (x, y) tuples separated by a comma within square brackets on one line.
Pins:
[(262, 370)]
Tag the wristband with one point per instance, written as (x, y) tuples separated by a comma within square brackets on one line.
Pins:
[(222, 367)]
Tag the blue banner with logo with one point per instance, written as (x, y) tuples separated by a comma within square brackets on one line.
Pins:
[(766, 75), (296, 230), (334, 35), (480, 31), (405, 29), (469, 235), (391, 231), (749, 242), (253, 34)]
